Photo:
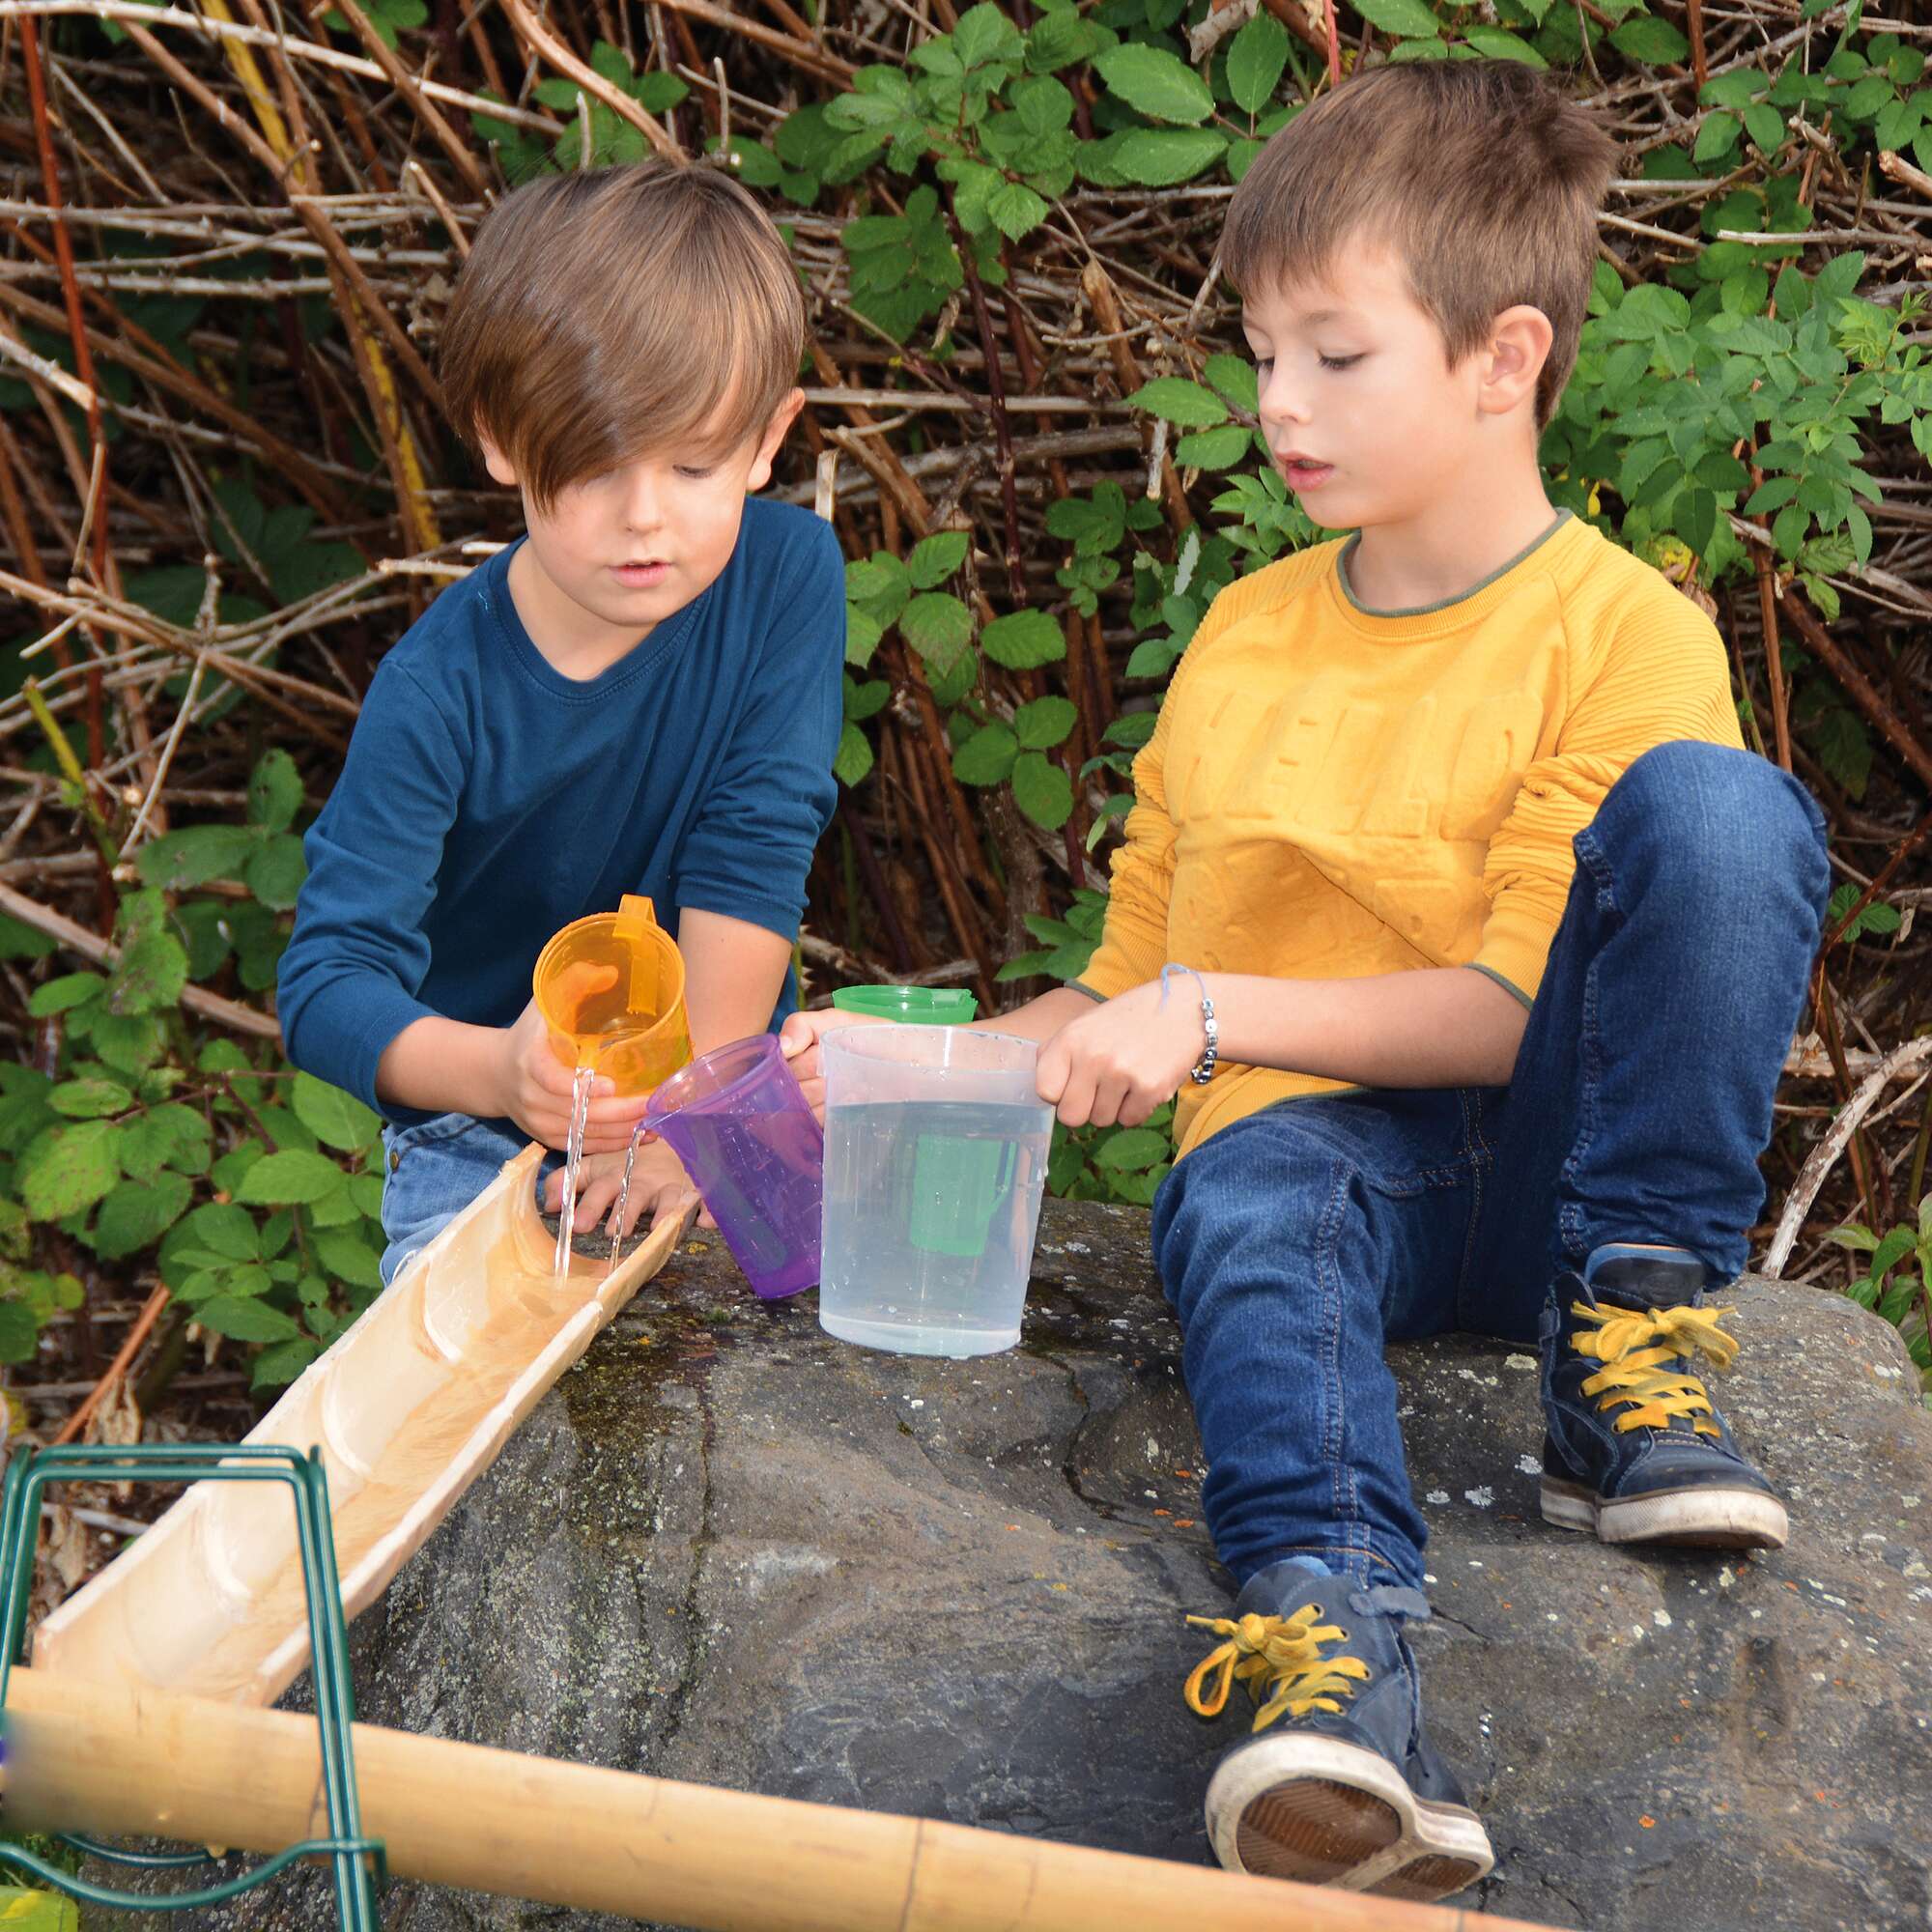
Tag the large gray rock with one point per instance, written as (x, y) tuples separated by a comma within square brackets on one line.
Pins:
[(730, 1550)]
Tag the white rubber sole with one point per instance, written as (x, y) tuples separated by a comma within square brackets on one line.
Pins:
[(1328, 1813), (1701, 1519)]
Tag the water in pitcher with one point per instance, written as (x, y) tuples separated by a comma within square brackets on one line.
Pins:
[(930, 1210)]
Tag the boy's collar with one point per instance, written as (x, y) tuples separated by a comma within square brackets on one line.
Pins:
[(1463, 596)]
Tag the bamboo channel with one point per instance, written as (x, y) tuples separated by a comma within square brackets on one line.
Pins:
[(409, 1408), (111, 1760)]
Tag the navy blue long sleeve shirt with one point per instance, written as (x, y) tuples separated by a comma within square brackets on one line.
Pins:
[(487, 800)]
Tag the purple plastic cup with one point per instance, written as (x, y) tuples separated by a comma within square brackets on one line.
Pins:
[(737, 1119)]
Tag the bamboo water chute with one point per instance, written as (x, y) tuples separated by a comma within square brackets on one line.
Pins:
[(109, 1759), (407, 1408)]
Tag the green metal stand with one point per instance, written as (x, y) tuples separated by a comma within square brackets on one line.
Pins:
[(357, 1860)]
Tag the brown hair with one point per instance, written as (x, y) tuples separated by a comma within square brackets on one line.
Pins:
[(613, 311), (1479, 174)]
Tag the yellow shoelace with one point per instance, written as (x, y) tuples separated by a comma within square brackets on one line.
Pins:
[(1645, 1353), (1280, 1661)]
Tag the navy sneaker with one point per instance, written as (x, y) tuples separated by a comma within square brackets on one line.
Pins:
[(1338, 1785), (1637, 1451)]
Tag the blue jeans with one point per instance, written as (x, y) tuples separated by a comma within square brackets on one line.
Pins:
[(434, 1170), (1294, 1243)]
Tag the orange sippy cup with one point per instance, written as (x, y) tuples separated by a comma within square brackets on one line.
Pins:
[(610, 988)]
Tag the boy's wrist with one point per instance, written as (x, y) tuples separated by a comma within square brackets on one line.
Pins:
[(1194, 997)]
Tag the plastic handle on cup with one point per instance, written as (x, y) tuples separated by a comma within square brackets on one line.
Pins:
[(636, 927)]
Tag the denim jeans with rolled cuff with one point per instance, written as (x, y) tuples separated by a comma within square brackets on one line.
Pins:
[(1296, 1242)]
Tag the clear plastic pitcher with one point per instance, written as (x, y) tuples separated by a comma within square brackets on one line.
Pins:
[(935, 1159), (612, 990)]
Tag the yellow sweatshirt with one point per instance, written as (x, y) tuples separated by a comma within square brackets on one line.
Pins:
[(1333, 792)]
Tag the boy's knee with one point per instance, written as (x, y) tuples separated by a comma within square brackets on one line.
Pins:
[(1723, 827)]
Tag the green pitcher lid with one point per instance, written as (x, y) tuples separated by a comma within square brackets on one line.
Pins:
[(911, 1005)]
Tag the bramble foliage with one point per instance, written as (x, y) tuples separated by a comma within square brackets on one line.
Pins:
[(1897, 1281), (258, 1189)]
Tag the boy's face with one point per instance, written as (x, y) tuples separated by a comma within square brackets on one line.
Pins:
[(613, 556), (1369, 422)]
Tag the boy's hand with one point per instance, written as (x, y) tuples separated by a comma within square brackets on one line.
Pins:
[(534, 1089), (659, 1185), (798, 1041), (1117, 1063)]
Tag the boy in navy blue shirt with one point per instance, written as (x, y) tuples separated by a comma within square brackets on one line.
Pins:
[(640, 695)]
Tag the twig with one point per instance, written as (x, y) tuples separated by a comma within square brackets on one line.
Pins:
[(1906, 1059), (78, 939), (151, 1313)]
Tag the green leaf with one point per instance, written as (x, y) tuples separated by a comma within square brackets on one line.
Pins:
[(752, 163), (275, 873), (275, 792), (133, 1214), (1017, 210), (129, 1043), (986, 757), (151, 973), (89, 1099), (936, 624), (1654, 42), (78, 1166), (288, 1179), (1181, 401), (1499, 45), (276, 1367), (59, 996), (224, 1229), (247, 1319), (1717, 136), (1043, 724), (1166, 156), (852, 762), (1024, 641), (1256, 57), (983, 35), (863, 632), (865, 700), (1765, 125), (881, 583), (1156, 83), (20, 941), (1132, 1148), (935, 559), (349, 1258), (1215, 448), (1408, 18), (1853, 1236), (1234, 375), (1043, 790), (19, 1340), (336, 1119), (658, 91), (1893, 1249), (179, 860)]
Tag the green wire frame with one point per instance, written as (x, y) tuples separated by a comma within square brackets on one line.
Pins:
[(29, 1472)]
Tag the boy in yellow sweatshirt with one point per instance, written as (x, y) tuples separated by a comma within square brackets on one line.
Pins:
[(1469, 936)]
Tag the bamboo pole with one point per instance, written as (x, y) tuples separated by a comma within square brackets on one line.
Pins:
[(107, 1759)]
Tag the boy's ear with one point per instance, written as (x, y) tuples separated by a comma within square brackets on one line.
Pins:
[(495, 462), (1518, 347), (783, 419)]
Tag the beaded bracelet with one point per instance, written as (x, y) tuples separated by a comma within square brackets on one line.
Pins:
[(1203, 1070)]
